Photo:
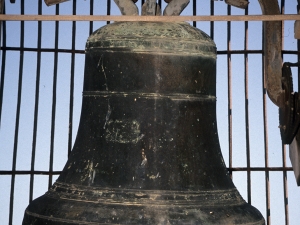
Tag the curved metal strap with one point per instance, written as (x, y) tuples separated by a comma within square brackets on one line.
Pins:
[(175, 7), (127, 7), (272, 52), (238, 3), (151, 7)]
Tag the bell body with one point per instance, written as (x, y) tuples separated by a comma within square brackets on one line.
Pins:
[(147, 148)]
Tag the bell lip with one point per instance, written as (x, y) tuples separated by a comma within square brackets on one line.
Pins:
[(95, 194), (112, 205)]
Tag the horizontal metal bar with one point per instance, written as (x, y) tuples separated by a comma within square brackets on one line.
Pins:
[(10, 17), (221, 52), (261, 169), (290, 52), (235, 169), (225, 52), (82, 51), (42, 50), (28, 172)]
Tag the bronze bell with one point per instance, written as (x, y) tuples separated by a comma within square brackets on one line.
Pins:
[(147, 148)]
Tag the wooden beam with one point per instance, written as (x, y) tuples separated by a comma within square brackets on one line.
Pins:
[(9, 17)]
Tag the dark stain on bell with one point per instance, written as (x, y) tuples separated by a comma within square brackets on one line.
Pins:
[(147, 149), (141, 170)]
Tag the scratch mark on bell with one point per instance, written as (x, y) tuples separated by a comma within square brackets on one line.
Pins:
[(107, 115), (100, 64)]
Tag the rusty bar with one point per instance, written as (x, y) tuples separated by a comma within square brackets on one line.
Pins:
[(3, 52), (229, 88), (266, 145), (16, 135), (36, 103), (247, 111)]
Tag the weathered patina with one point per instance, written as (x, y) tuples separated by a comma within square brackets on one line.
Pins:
[(147, 149)]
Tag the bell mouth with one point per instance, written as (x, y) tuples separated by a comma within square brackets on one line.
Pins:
[(130, 206)]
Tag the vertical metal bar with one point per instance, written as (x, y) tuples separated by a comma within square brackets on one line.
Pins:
[(36, 104), (212, 23), (285, 186), (266, 144), (159, 3), (108, 9), (91, 13), (194, 12), (1, 12), (298, 45), (247, 113), (72, 80), (54, 87), (229, 89), (266, 152), (2, 64), (15, 148), (284, 173)]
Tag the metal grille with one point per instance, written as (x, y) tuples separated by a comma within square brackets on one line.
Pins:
[(42, 66)]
